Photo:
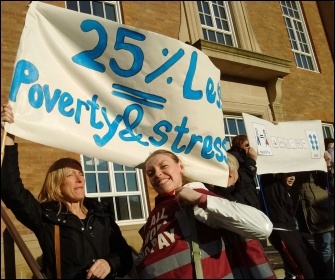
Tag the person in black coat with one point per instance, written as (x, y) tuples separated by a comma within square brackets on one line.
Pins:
[(91, 243), (244, 190), (298, 255)]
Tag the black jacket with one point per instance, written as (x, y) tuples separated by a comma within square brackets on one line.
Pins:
[(280, 205), (239, 192), (244, 190), (80, 244)]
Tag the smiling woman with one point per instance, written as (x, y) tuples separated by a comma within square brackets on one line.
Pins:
[(65, 182), (167, 246), (95, 249)]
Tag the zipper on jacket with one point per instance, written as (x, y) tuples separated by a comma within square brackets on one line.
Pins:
[(87, 227)]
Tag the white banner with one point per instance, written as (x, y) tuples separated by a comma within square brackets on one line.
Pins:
[(287, 146), (92, 86)]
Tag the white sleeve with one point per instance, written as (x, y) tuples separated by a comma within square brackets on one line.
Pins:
[(244, 220)]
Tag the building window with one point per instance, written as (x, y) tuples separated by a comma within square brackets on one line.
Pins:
[(233, 125), (328, 130), (298, 35), (216, 22), (105, 9), (122, 186), (117, 184)]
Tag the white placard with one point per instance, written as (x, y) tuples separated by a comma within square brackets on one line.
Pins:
[(287, 146), (96, 87)]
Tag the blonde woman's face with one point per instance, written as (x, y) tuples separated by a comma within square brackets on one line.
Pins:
[(164, 173), (73, 187)]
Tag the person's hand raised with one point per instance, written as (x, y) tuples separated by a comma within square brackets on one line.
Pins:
[(327, 157), (252, 153), (6, 114)]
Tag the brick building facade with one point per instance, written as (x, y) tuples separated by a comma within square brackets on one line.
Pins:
[(258, 77)]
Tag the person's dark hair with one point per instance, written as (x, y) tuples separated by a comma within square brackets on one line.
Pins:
[(328, 141), (238, 140), (236, 149), (284, 175)]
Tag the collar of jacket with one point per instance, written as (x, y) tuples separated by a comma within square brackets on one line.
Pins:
[(162, 198), (236, 154), (198, 186), (94, 207)]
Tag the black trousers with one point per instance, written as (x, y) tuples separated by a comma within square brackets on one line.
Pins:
[(298, 255)]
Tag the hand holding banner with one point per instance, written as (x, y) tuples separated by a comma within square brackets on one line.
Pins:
[(96, 87)]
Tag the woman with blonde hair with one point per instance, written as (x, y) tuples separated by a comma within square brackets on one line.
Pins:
[(183, 209), (91, 243)]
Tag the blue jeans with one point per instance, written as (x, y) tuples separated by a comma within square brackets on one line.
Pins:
[(322, 243)]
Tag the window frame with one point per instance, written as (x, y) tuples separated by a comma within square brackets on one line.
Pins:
[(328, 130), (214, 28), (114, 194), (191, 30), (298, 37), (229, 136), (116, 4)]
